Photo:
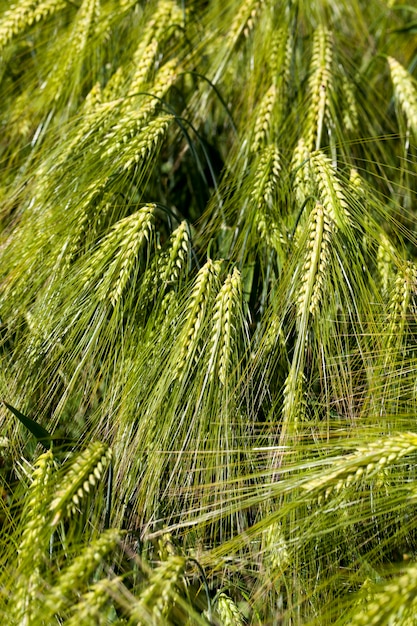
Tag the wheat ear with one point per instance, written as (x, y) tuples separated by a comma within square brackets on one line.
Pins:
[(33, 543), (262, 195), (154, 601), (90, 608), (226, 307), (228, 612), (122, 245), (320, 84), (74, 577), (85, 471), (364, 463), (405, 90), (320, 231), (391, 603), (22, 15)]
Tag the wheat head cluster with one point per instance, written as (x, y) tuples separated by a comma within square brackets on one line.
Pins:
[(208, 312)]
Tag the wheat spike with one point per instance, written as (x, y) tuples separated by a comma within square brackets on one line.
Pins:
[(244, 20), (90, 608), (320, 85), (172, 264), (350, 111), (74, 577), (85, 471), (405, 90), (276, 555), (262, 195), (384, 263), (154, 601), (320, 231), (405, 287), (391, 603), (33, 543), (22, 15), (224, 326), (228, 611), (263, 118), (200, 297), (300, 168), (366, 462), (330, 191), (122, 245)]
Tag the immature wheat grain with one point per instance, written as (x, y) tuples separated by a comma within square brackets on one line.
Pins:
[(405, 90), (350, 110), (90, 609), (244, 20), (122, 245), (276, 556), (330, 190), (385, 264), (393, 602), (405, 287), (300, 168)]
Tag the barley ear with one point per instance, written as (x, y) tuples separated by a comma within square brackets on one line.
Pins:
[(405, 90), (85, 471)]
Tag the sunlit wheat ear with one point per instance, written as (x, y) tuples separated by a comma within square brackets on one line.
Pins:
[(90, 608), (73, 579), (227, 611), (117, 254), (319, 85), (321, 229), (300, 169), (173, 264), (85, 471), (223, 335), (293, 407), (405, 288), (350, 109), (263, 117), (385, 264), (23, 14), (34, 542), (393, 602), (82, 29), (275, 552), (200, 299), (167, 15), (154, 602), (244, 20), (365, 463), (330, 190), (263, 193), (280, 58), (143, 62), (405, 90)]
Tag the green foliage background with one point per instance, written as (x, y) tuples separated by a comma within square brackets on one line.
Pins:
[(208, 299)]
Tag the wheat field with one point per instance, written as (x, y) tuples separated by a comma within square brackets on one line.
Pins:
[(208, 312)]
